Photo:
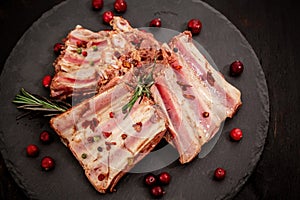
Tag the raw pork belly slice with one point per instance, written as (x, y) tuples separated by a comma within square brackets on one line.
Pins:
[(107, 145), (77, 74), (195, 97)]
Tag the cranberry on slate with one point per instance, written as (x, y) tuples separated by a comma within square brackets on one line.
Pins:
[(236, 68), (164, 178), (57, 48), (236, 134), (150, 179), (157, 191), (97, 4), (120, 6), (47, 81), (107, 16), (220, 173), (195, 26), (32, 150), (45, 137), (155, 22), (47, 163)]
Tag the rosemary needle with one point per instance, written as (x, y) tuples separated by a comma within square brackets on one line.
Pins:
[(31, 102), (141, 89)]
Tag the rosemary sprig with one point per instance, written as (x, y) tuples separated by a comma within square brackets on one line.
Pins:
[(36, 103), (142, 89)]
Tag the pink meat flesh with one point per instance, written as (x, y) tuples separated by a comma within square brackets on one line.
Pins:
[(102, 62), (190, 99), (188, 93), (109, 147)]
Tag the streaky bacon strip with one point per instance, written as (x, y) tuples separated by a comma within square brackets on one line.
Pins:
[(195, 104), (211, 78), (109, 147)]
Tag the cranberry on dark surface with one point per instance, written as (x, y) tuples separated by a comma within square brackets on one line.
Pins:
[(236, 134), (120, 6), (195, 26), (164, 178), (150, 179), (157, 191), (47, 81), (57, 48), (47, 163), (32, 150), (236, 68), (45, 137), (220, 173), (155, 22), (107, 16), (97, 4)]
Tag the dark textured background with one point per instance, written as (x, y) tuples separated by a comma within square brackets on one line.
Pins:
[(271, 28)]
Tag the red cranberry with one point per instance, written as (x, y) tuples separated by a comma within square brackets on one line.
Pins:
[(45, 137), (111, 114), (57, 48), (195, 26), (236, 134), (47, 163), (80, 43), (84, 53), (164, 178), (155, 22), (107, 16), (157, 191), (97, 4), (47, 81), (32, 150), (236, 68), (219, 174), (150, 179), (120, 6)]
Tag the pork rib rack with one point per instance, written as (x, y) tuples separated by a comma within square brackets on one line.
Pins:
[(80, 74)]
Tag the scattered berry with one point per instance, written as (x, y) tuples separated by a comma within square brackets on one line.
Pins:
[(164, 178), (155, 22), (47, 163), (236, 134), (32, 150), (150, 179), (84, 156), (219, 174), (205, 114), (57, 48), (157, 191), (97, 4), (107, 16), (79, 43), (195, 26), (47, 81), (120, 6), (84, 53), (45, 137), (236, 68), (111, 114)]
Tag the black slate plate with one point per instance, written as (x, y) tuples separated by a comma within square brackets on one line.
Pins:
[(32, 58)]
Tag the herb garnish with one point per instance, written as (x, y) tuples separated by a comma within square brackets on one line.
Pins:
[(144, 83), (32, 102)]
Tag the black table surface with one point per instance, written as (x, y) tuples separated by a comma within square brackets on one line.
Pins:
[(272, 29)]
